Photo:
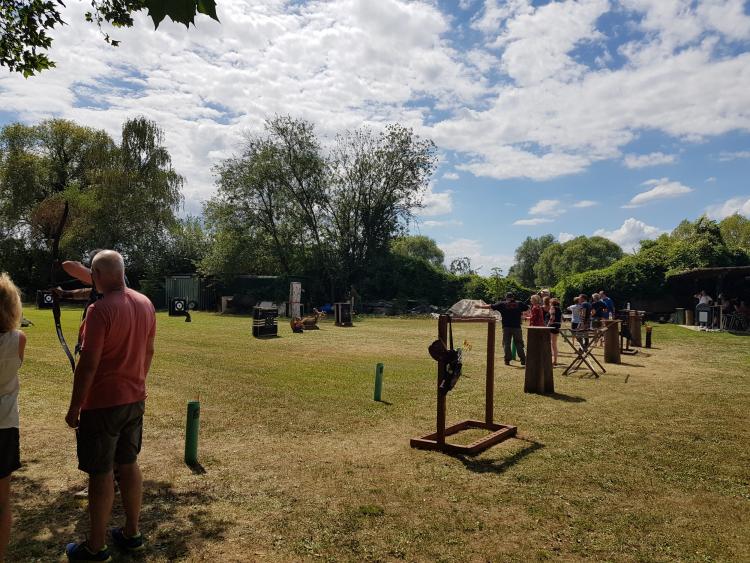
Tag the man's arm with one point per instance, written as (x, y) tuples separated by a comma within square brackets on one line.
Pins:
[(78, 271), (82, 380), (82, 294)]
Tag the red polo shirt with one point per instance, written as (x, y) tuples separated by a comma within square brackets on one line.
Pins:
[(122, 324)]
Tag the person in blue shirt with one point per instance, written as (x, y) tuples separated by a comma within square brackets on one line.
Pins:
[(609, 303)]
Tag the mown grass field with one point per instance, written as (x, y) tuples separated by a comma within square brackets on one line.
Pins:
[(651, 462)]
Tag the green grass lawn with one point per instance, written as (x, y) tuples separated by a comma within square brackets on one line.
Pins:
[(650, 462)]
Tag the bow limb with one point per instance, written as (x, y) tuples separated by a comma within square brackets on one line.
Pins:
[(55, 303)]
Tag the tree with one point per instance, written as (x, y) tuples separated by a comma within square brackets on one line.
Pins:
[(527, 255), (461, 266), (25, 24), (419, 246), (330, 215), (735, 230), (574, 256), (548, 266), (120, 196)]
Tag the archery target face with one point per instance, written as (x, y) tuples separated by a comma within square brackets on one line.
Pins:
[(178, 307)]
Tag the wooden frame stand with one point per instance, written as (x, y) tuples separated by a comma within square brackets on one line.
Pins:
[(500, 432)]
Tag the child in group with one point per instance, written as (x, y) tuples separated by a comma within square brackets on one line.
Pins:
[(12, 345), (555, 321), (546, 299), (575, 312), (536, 317)]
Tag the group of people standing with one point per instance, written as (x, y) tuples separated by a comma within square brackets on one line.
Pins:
[(116, 342), (543, 310)]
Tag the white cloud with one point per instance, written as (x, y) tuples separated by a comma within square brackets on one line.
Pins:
[(435, 203), (652, 159), (347, 63), (630, 234), (734, 205), (711, 180), (679, 80), (447, 223), (450, 176), (663, 189), (565, 237), (547, 207), (737, 155), (532, 222), (585, 203), (536, 44), (459, 248), (340, 64)]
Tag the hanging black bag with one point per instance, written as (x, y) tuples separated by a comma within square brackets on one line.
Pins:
[(451, 361)]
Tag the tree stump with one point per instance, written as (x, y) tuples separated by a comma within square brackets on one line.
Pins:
[(539, 376), (612, 342), (634, 320)]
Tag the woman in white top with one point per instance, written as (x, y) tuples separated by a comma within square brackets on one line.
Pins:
[(12, 344)]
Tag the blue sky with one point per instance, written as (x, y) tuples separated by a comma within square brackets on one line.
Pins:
[(611, 117)]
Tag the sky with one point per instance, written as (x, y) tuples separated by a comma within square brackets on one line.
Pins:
[(617, 118)]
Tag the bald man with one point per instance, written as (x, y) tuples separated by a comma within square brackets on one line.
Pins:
[(108, 402)]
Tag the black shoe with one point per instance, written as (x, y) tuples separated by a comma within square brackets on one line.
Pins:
[(523, 362), (126, 543), (507, 362)]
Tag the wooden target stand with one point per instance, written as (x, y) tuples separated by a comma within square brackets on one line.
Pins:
[(500, 432)]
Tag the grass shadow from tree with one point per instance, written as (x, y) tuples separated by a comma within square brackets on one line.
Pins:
[(174, 523)]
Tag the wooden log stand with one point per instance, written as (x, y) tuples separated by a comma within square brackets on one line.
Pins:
[(539, 376), (612, 342), (634, 320), (500, 432)]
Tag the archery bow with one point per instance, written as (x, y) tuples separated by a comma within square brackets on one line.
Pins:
[(55, 302)]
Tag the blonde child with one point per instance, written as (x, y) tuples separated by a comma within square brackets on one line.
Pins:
[(12, 344)]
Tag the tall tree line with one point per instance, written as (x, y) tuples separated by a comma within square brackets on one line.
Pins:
[(121, 195), (290, 206)]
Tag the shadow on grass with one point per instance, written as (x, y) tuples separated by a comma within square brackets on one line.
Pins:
[(565, 398), (174, 523), (632, 365), (498, 466)]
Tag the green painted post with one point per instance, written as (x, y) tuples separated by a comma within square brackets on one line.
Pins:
[(191, 432), (378, 381), (513, 349)]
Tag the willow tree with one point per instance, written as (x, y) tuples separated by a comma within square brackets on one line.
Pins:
[(120, 196)]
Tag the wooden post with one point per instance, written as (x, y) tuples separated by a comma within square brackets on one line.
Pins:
[(612, 342), (635, 328), (442, 336), (539, 375), (489, 404)]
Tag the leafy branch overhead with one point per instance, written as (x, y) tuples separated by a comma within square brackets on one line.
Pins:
[(25, 25)]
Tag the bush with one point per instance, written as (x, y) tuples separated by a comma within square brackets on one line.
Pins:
[(492, 289)]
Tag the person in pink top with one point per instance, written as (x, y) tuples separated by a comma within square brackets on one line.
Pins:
[(536, 317), (108, 402)]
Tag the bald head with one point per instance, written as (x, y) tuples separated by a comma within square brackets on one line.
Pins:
[(108, 271)]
